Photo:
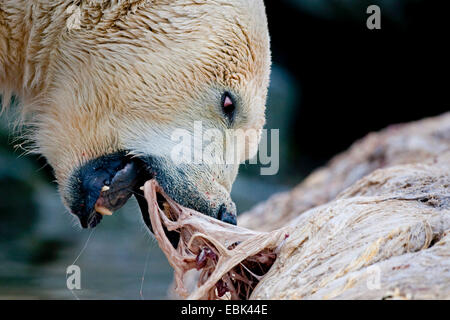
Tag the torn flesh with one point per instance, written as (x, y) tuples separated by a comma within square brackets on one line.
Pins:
[(231, 260)]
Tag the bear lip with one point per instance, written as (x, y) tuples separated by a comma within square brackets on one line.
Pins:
[(123, 185), (113, 196), (103, 185)]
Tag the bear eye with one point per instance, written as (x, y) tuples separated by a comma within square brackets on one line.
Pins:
[(228, 106)]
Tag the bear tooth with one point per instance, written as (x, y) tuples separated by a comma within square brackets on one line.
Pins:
[(103, 211), (105, 188)]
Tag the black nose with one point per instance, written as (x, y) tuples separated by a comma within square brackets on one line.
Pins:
[(227, 214)]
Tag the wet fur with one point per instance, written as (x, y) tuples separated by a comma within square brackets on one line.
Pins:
[(97, 77)]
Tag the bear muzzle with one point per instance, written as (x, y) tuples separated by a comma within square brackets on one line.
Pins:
[(103, 185)]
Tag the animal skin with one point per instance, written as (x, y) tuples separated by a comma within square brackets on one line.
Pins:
[(101, 83)]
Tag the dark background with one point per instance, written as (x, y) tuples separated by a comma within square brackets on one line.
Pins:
[(333, 81), (352, 80)]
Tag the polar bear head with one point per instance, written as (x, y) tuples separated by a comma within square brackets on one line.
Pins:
[(122, 76)]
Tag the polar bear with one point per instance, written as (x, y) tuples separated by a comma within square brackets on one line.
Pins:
[(103, 84)]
